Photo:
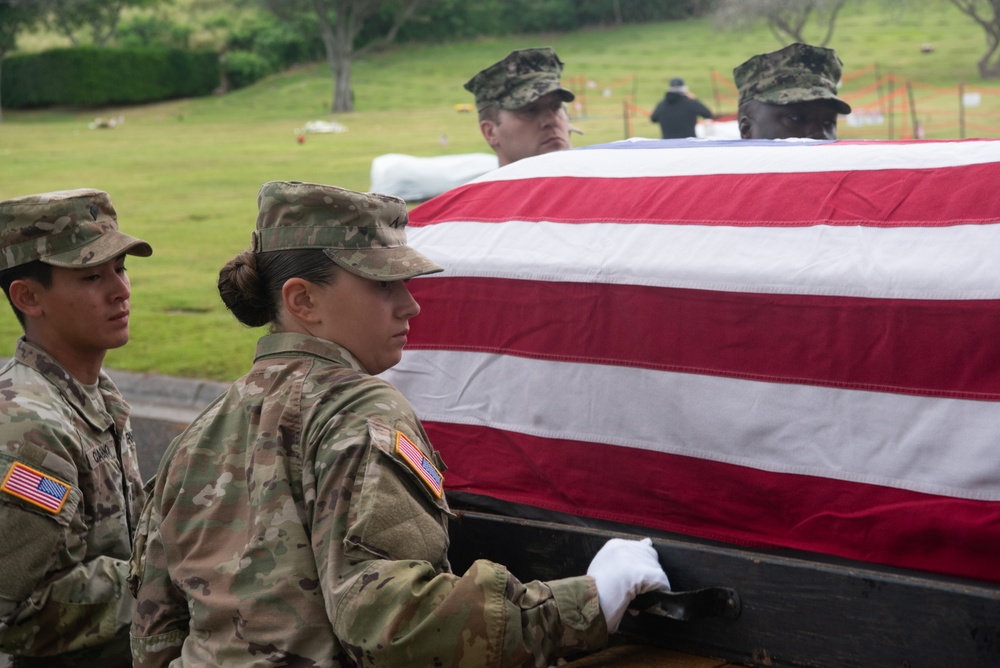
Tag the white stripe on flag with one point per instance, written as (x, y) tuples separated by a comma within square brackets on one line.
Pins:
[(740, 157), (956, 262), (881, 439)]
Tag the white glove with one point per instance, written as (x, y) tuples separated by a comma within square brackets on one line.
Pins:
[(623, 569)]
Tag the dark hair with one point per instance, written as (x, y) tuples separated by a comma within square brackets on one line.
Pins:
[(36, 270), (250, 284), (490, 113)]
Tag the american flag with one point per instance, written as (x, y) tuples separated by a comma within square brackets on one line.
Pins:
[(36, 487), (427, 472), (770, 344)]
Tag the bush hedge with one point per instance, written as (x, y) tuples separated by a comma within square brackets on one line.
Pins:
[(445, 20), (242, 68), (93, 77)]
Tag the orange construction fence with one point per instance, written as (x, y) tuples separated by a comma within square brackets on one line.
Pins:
[(884, 106)]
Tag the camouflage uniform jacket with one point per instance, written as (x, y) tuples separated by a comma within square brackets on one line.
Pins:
[(66, 544), (284, 529)]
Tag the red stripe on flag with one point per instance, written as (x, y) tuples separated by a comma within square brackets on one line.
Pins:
[(724, 502), (878, 198), (922, 347)]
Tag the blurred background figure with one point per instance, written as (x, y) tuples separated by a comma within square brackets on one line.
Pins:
[(678, 111)]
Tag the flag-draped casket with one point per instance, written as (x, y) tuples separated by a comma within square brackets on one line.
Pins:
[(779, 345)]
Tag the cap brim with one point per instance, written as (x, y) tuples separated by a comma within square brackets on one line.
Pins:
[(841, 106), (384, 264), (564, 95), (796, 95), (106, 247)]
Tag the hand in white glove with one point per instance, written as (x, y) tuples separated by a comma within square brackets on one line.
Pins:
[(623, 569)]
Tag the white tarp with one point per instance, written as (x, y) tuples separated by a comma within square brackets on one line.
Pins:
[(416, 179)]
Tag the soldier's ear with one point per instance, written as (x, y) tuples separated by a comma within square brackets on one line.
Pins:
[(489, 130), (746, 127), (24, 295), (300, 300)]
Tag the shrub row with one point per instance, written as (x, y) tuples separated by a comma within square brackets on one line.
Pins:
[(267, 45), (93, 77), (445, 20)]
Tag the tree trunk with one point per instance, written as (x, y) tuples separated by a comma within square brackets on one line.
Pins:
[(988, 69), (343, 96), (339, 53), (1, 85)]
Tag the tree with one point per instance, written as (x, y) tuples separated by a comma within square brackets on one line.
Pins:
[(340, 22), (100, 16), (987, 14), (15, 17), (786, 19)]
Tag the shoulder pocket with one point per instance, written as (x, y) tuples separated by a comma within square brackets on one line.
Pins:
[(35, 512), (398, 514)]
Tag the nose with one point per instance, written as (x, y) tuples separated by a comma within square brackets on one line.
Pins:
[(122, 287), (408, 306), (549, 116), (818, 130)]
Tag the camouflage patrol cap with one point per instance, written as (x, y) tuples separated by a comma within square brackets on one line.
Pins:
[(66, 228), (518, 80), (361, 232), (797, 73)]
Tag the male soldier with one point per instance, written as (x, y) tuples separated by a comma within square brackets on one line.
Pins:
[(70, 488), (790, 93), (521, 105)]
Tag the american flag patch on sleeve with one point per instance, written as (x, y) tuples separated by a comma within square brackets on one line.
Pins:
[(423, 466), (35, 487)]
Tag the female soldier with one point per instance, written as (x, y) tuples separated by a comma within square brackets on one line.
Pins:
[(300, 520)]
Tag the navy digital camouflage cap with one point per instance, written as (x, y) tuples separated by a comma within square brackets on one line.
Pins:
[(518, 80), (66, 228), (797, 73), (361, 232)]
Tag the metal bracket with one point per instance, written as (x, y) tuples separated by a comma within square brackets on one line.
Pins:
[(685, 606)]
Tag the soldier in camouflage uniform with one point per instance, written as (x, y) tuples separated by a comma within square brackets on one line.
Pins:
[(521, 105), (301, 520), (790, 93), (70, 491)]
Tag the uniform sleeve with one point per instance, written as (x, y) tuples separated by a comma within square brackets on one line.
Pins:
[(388, 591), (53, 599), (160, 622)]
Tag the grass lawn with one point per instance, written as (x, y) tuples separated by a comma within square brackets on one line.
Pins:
[(184, 174)]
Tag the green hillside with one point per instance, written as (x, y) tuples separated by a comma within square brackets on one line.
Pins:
[(184, 174)]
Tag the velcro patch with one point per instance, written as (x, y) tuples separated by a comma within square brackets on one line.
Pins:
[(423, 466), (35, 487)]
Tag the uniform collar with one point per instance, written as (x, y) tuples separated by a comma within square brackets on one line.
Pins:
[(291, 342), (99, 415)]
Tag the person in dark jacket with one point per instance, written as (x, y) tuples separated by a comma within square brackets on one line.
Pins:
[(678, 112)]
